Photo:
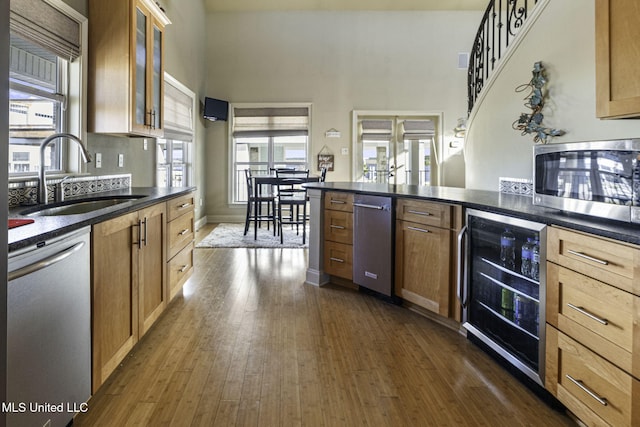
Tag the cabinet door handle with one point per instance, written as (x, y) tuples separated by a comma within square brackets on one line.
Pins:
[(183, 232), (461, 270), (145, 230), (139, 242), (579, 383), (336, 259), (581, 310), (422, 230), (590, 258), (419, 213), (339, 227), (183, 269)]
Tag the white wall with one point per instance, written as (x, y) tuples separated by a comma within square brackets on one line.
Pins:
[(563, 39), (340, 62)]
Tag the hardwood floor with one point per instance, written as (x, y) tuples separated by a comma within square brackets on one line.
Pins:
[(249, 344)]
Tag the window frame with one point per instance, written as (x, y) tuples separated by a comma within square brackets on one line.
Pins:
[(73, 86), (236, 182)]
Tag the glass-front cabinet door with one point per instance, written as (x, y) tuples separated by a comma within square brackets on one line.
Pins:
[(148, 74)]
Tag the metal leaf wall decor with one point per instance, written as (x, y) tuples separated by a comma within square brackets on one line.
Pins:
[(532, 123)]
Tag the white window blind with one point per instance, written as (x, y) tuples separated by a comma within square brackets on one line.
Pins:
[(270, 121), (376, 129), (418, 129), (46, 26), (178, 113)]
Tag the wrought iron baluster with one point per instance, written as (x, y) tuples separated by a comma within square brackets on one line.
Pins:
[(500, 24)]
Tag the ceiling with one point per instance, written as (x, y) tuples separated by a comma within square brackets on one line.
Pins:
[(279, 5)]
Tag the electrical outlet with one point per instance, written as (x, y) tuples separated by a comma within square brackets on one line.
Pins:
[(98, 160), (144, 144), (345, 151), (120, 160)]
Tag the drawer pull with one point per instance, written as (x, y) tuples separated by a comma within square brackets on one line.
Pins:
[(589, 315), (336, 259), (601, 400), (590, 258), (422, 230), (183, 269), (338, 202), (183, 232), (184, 205), (339, 227), (419, 213)]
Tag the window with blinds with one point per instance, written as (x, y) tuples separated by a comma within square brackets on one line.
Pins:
[(267, 137), (45, 45), (174, 152)]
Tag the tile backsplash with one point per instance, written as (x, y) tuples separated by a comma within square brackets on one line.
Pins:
[(516, 186), (25, 192)]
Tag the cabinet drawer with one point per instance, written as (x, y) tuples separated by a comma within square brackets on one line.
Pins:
[(180, 205), (591, 387), (338, 259), (422, 212), (338, 201), (338, 226), (181, 232), (598, 315), (180, 268), (611, 262)]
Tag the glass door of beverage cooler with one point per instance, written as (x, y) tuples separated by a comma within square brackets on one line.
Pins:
[(505, 288)]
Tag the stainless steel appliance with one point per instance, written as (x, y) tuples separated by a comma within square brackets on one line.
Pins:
[(48, 331), (504, 307), (373, 243), (599, 178)]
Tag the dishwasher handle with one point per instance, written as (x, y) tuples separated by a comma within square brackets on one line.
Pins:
[(44, 263), (364, 205)]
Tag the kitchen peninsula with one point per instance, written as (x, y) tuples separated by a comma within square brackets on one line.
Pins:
[(593, 268)]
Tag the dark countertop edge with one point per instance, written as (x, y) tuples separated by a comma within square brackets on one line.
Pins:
[(48, 227), (493, 201)]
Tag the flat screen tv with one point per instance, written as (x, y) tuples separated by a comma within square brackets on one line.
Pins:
[(215, 109)]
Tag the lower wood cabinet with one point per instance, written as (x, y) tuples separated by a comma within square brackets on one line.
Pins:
[(128, 284), (426, 245)]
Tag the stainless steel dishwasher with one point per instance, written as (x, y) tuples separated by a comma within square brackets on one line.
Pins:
[(49, 331), (373, 243)]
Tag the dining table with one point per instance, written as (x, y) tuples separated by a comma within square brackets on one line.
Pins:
[(264, 181)]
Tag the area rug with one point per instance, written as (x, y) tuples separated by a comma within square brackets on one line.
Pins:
[(227, 235)]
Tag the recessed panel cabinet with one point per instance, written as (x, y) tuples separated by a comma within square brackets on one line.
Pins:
[(617, 58), (128, 284), (126, 83)]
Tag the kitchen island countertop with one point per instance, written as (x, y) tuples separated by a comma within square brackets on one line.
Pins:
[(510, 204)]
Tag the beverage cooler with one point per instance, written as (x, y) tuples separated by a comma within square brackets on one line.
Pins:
[(504, 288)]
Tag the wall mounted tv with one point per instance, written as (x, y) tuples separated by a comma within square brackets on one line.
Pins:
[(215, 109)]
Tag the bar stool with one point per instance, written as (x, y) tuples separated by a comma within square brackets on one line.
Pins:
[(255, 201)]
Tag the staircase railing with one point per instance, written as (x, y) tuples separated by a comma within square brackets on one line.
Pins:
[(500, 24)]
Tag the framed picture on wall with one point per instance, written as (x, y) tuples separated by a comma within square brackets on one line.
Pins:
[(326, 161)]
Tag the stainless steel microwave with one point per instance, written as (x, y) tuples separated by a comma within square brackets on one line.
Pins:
[(598, 178)]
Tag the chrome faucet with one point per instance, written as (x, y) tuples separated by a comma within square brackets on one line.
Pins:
[(42, 183)]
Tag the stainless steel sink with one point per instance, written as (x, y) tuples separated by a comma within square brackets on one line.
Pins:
[(77, 207)]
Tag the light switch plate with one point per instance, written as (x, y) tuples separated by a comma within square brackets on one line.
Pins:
[(120, 160)]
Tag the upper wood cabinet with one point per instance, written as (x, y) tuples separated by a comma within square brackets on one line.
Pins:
[(126, 67), (617, 58)]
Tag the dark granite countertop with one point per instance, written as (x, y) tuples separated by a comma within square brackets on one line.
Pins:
[(493, 201), (47, 227)]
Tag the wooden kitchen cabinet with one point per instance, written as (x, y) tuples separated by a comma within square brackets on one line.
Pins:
[(181, 233), (593, 327), (425, 256), (617, 58), (126, 67), (128, 284), (338, 234)]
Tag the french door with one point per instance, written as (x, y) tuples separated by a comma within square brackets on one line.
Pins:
[(396, 148)]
